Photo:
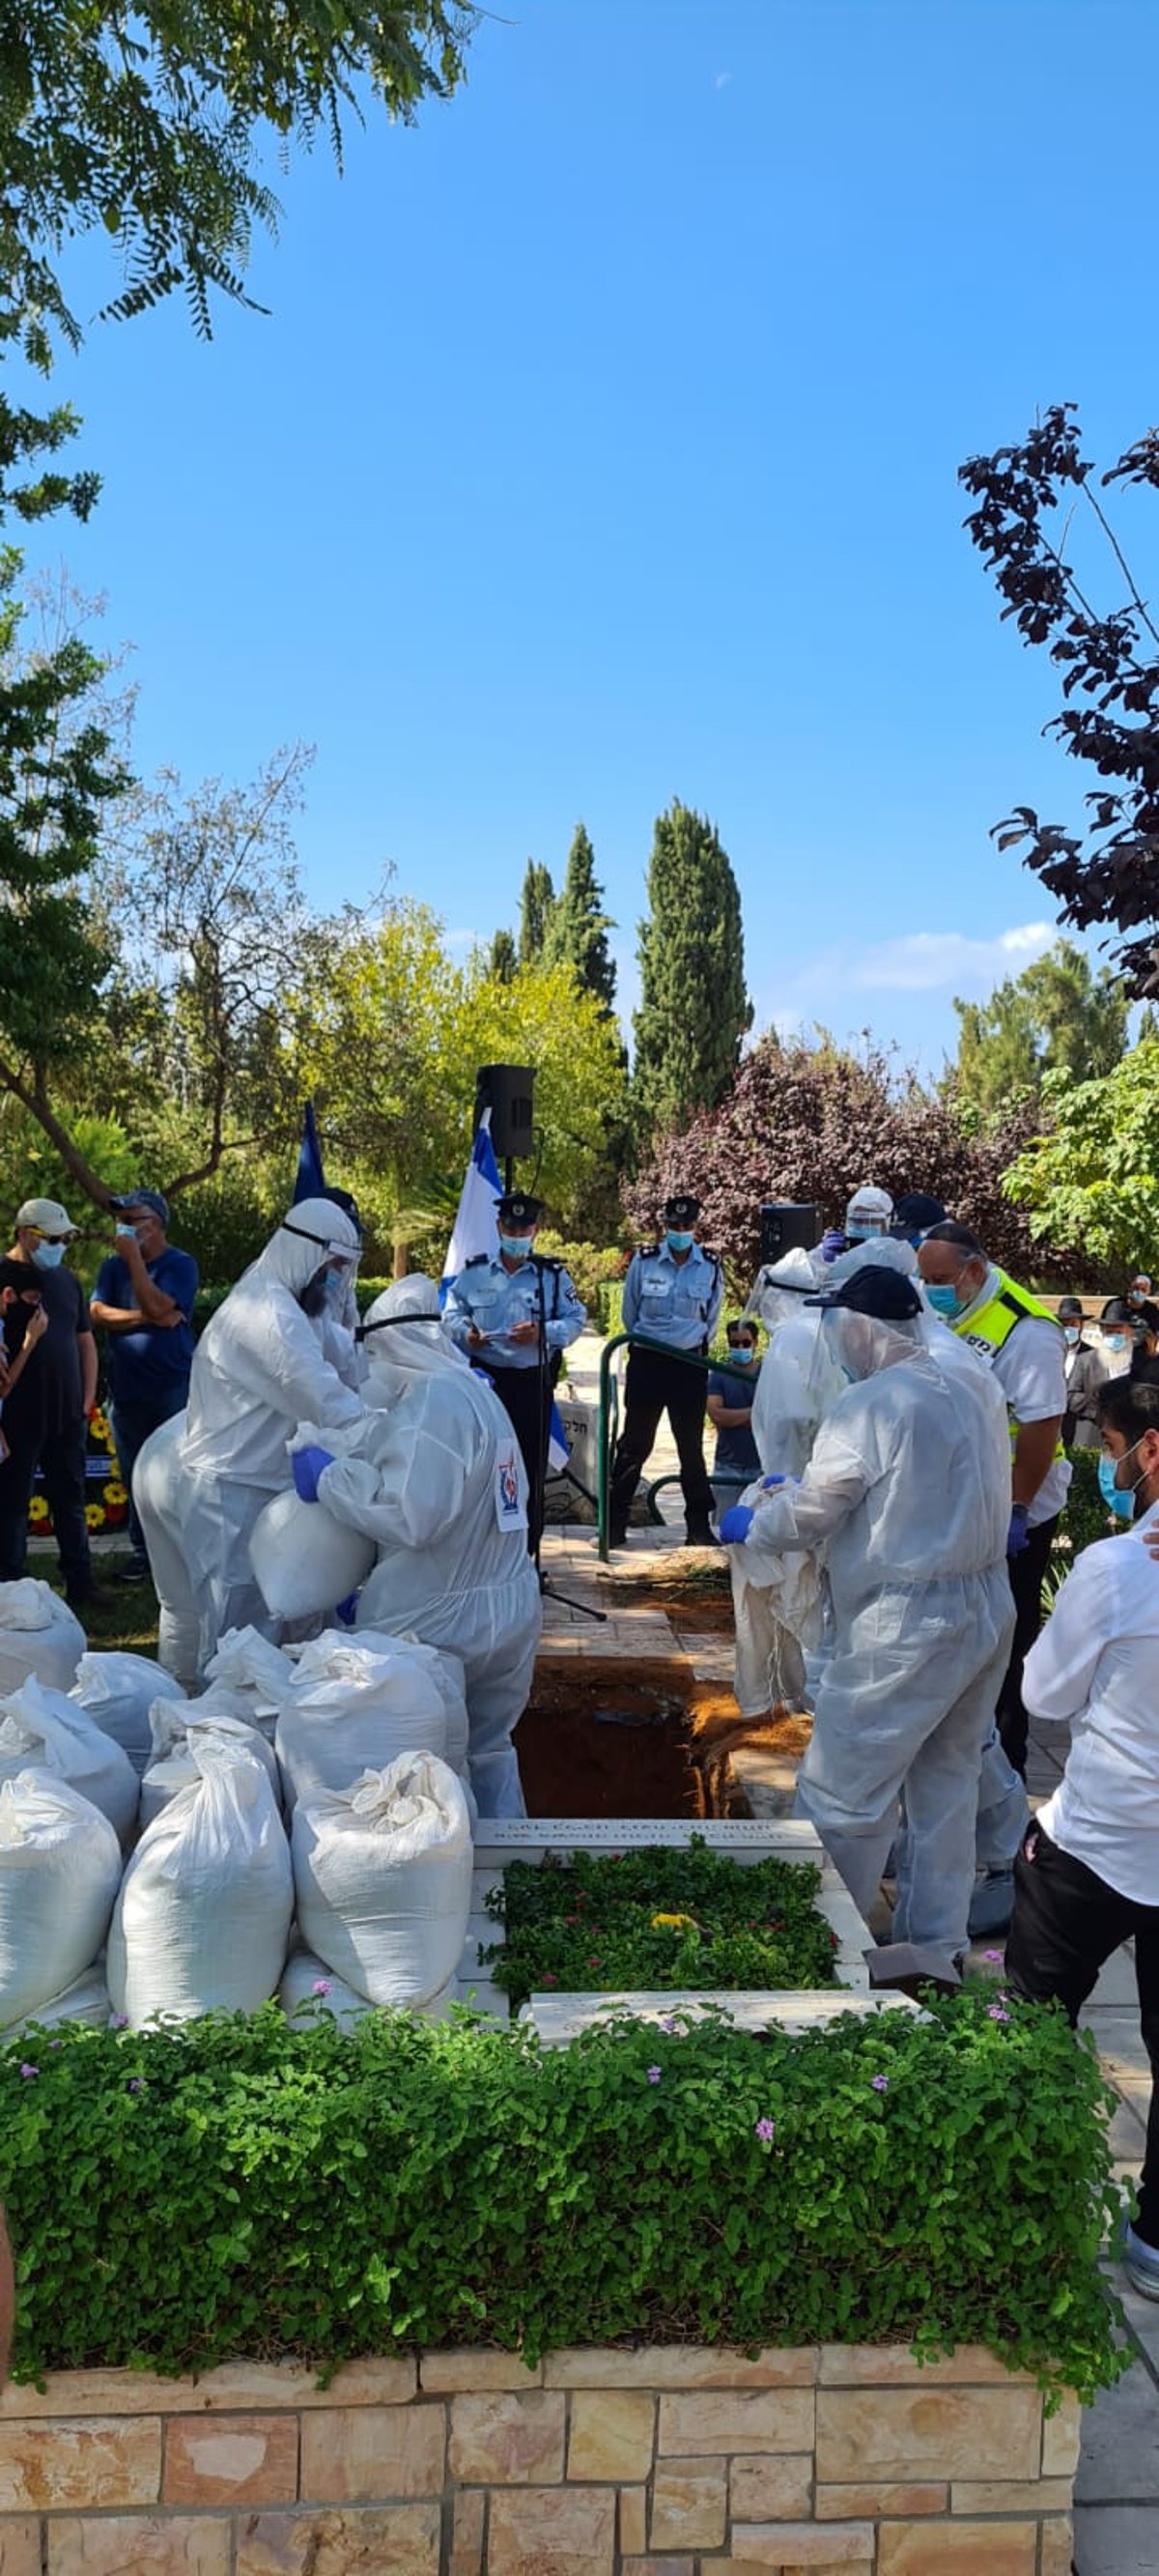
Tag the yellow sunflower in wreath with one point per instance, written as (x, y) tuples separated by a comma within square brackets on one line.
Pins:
[(94, 1516), (116, 1495), (99, 1427), (38, 1508)]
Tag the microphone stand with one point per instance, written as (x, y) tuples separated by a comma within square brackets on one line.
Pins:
[(542, 1425)]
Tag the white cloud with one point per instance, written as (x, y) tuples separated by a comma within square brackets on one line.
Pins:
[(459, 943), (722, 80), (922, 961)]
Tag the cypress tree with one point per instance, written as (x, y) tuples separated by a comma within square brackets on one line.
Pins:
[(502, 959), (536, 907), (579, 925), (694, 1009)]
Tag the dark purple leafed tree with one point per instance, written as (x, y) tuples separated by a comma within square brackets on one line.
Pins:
[(1026, 498)]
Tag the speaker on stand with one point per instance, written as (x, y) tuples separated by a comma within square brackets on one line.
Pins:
[(507, 1090)]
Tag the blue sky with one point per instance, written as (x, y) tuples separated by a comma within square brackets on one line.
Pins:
[(602, 446)]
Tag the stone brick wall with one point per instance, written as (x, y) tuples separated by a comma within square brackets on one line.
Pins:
[(662, 2462)]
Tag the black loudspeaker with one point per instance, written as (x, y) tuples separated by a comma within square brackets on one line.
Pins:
[(788, 1225), (506, 1090)]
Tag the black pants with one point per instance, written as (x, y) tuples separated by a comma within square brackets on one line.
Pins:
[(527, 1395), (1026, 1573), (656, 1385), (60, 1456), (1066, 1923)]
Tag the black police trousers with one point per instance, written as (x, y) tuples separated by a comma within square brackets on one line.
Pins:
[(654, 1385)]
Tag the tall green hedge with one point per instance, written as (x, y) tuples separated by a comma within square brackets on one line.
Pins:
[(248, 2187)]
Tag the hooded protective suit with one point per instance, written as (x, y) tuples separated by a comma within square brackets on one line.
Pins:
[(261, 1367), (908, 1489), (434, 1476)]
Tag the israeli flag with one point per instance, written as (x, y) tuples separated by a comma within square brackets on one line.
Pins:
[(476, 1230), (476, 1226)]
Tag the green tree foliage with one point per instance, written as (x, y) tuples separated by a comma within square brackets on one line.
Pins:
[(1093, 1179), (149, 124), (502, 957), (537, 901), (578, 933), (694, 1009), (1059, 1015)]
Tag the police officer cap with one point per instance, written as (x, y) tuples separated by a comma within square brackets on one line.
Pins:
[(517, 1207), (874, 1290), (681, 1210), (915, 1212)]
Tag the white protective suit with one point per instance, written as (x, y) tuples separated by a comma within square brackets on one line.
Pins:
[(434, 1476), (908, 1489), (777, 1603), (260, 1367)]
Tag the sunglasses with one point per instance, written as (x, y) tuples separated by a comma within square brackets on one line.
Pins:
[(42, 1237)]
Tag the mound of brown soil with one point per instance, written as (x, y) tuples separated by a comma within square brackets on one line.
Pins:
[(637, 1737)]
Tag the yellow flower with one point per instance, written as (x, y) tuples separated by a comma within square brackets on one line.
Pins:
[(38, 1508), (678, 1922), (99, 1426), (95, 1516), (115, 1493)]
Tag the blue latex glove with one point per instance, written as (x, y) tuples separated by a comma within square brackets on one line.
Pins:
[(832, 1243), (1017, 1536), (768, 1482), (735, 1524), (308, 1465), (345, 1611)]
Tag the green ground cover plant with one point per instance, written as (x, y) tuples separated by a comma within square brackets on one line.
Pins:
[(656, 1918), (252, 2187)]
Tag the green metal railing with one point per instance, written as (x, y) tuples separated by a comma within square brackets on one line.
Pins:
[(609, 1422)]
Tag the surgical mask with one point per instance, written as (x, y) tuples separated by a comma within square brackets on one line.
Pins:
[(1070, 1333), (946, 1301), (1118, 1498), (48, 1256), (741, 1354), (1114, 1341), (335, 1287), (516, 1246), (678, 1242), (863, 1233)]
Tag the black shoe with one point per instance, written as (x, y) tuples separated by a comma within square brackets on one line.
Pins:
[(94, 1597), (617, 1538), (136, 1571), (705, 1537)]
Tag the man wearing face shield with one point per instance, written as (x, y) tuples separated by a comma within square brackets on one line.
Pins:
[(275, 1354), (908, 1490), (434, 1476)]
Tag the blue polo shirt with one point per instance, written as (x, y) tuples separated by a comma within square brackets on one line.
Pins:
[(150, 1362)]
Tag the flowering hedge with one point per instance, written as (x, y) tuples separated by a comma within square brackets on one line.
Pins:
[(268, 2189), (657, 1918)]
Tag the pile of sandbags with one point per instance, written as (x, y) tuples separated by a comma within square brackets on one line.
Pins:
[(176, 1729), (85, 2001), (446, 1671), (354, 1707), (382, 1878), (250, 1675), (43, 1730), (60, 1866), (118, 1691), (39, 1635), (203, 1917)]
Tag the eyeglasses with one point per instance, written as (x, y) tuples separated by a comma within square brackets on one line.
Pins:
[(42, 1237)]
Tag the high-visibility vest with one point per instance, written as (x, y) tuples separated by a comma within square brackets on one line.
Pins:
[(987, 1331)]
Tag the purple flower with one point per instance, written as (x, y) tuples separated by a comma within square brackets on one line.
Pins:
[(653, 2074), (996, 2013), (136, 2083), (880, 2083), (28, 2071), (669, 2024), (993, 1954), (56, 2043), (120, 2021), (766, 2131), (321, 1986)]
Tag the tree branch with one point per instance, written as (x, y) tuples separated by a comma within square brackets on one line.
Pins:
[(33, 1099)]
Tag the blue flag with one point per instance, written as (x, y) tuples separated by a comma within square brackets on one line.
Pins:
[(310, 1182)]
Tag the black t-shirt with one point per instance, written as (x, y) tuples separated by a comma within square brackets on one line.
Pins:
[(47, 1396)]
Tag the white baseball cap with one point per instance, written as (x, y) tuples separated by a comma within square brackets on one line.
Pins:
[(869, 1206), (46, 1215)]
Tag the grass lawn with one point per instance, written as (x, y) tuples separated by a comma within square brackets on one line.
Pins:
[(127, 1618)]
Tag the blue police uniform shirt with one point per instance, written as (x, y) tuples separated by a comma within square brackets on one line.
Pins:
[(673, 1301), (147, 1363), (493, 1298)]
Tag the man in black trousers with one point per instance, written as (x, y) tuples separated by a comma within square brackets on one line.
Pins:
[(672, 1295)]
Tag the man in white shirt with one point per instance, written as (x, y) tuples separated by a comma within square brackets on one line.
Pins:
[(1087, 1877)]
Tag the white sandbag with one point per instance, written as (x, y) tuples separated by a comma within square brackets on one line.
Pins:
[(43, 1729), (176, 1726), (60, 1866), (354, 1707), (309, 1987), (303, 1559), (204, 1912), (253, 1674), (446, 1670), (38, 1634), (382, 1874), (85, 2001), (118, 1691)]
